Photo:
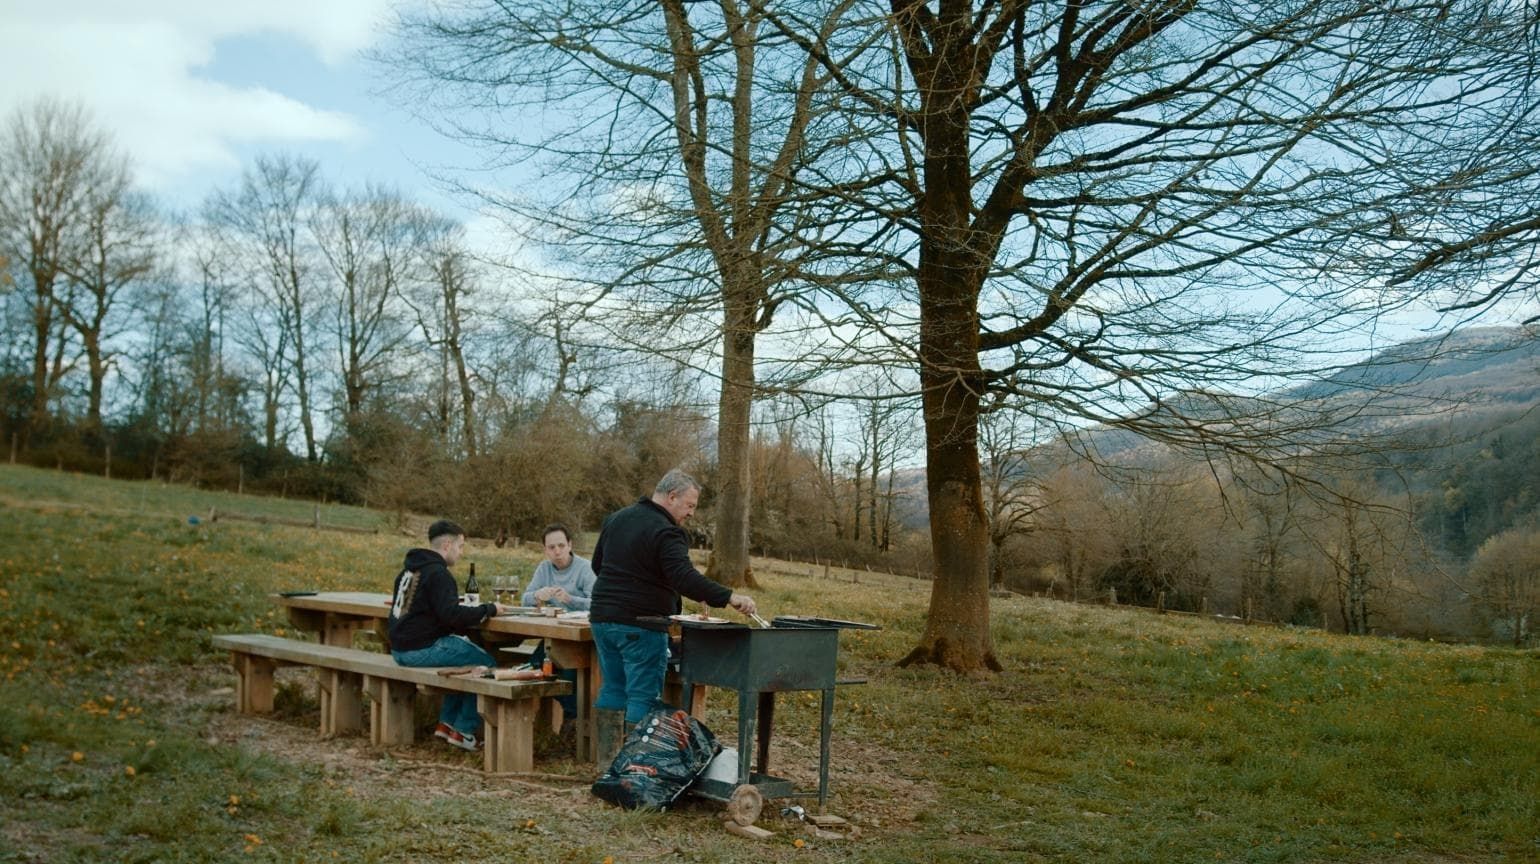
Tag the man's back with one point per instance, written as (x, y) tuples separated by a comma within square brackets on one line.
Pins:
[(642, 563)]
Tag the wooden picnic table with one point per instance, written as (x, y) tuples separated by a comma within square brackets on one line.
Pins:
[(334, 616)]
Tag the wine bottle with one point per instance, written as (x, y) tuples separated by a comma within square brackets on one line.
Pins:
[(472, 590)]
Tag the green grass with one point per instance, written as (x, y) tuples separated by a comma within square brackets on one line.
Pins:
[(64, 491), (1112, 734)]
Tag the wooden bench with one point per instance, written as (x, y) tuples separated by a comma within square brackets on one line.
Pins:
[(348, 675)]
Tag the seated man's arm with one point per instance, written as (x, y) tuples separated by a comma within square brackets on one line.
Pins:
[(444, 600), (536, 582)]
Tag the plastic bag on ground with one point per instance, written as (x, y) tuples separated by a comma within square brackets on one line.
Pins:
[(665, 752)]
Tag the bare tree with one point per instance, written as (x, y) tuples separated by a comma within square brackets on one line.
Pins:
[(51, 159), (1075, 531), (1012, 494), (214, 282), (266, 221), (372, 242), (1507, 574), (1122, 211), (440, 307), (261, 334), (114, 246), (672, 141)]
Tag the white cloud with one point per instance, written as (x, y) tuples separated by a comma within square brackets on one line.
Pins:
[(136, 67)]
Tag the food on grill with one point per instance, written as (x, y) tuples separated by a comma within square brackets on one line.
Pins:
[(699, 618)]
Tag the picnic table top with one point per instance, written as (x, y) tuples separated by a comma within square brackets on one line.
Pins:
[(376, 606)]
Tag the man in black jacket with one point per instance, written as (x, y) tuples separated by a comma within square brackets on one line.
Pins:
[(428, 623), (642, 560)]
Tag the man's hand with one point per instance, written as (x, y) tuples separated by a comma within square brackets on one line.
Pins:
[(743, 603)]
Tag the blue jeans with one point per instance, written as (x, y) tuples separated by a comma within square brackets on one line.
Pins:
[(632, 661), (459, 710)]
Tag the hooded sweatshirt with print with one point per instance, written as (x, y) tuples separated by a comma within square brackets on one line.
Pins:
[(426, 605)]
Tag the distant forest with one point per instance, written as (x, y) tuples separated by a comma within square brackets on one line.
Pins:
[(1435, 532)]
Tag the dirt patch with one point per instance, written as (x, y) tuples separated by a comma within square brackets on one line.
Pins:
[(867, 783)]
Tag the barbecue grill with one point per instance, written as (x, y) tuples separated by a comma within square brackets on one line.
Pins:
[(794, 653)]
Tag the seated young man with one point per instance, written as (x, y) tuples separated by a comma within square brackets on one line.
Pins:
[(428, 625), (562, 579)]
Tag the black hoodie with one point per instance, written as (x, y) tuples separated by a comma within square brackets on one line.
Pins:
[(427, 606), (642, 564)]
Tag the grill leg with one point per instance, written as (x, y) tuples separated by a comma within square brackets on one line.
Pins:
[(766, 721), (825, 727), (745, 732)]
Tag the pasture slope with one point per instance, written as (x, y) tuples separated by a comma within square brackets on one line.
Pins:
[(1113, 735)]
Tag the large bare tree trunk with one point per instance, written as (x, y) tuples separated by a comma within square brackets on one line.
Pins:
[(957, 630), (951, 270), (730, 549)]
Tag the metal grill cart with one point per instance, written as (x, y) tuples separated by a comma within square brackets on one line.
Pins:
[(793, 653)]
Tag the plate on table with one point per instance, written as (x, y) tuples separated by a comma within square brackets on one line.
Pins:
[(520, 610)]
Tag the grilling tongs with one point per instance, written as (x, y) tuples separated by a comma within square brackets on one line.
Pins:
[(763, 624)]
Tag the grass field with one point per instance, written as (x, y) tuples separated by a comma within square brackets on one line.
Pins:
[(1112, 735)]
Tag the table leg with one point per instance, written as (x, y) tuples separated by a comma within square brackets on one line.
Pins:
[(338, 630), (580, 657), (587, 692)]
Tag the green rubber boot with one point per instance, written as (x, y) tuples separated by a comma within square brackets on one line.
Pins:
[(609, 737)]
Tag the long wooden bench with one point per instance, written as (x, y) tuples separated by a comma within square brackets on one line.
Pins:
[(348, 675)]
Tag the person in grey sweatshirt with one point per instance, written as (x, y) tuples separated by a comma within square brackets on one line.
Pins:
[(562, 579)]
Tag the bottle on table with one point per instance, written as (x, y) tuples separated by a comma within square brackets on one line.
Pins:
[(472, 590), (545, 663)]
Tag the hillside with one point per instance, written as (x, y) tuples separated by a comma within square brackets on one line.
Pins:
[(1112, 734), (1462, 385), (1484, 365)]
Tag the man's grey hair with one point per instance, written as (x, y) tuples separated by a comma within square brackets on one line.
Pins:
[(676, 481)]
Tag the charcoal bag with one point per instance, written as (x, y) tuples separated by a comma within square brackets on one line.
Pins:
[(664, 753)]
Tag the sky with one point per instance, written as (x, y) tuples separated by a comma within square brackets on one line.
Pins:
[(193, 90)]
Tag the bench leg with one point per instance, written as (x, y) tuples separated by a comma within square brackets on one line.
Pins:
[(254, 684), (509, 733), (341, 702), (390, 711)]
